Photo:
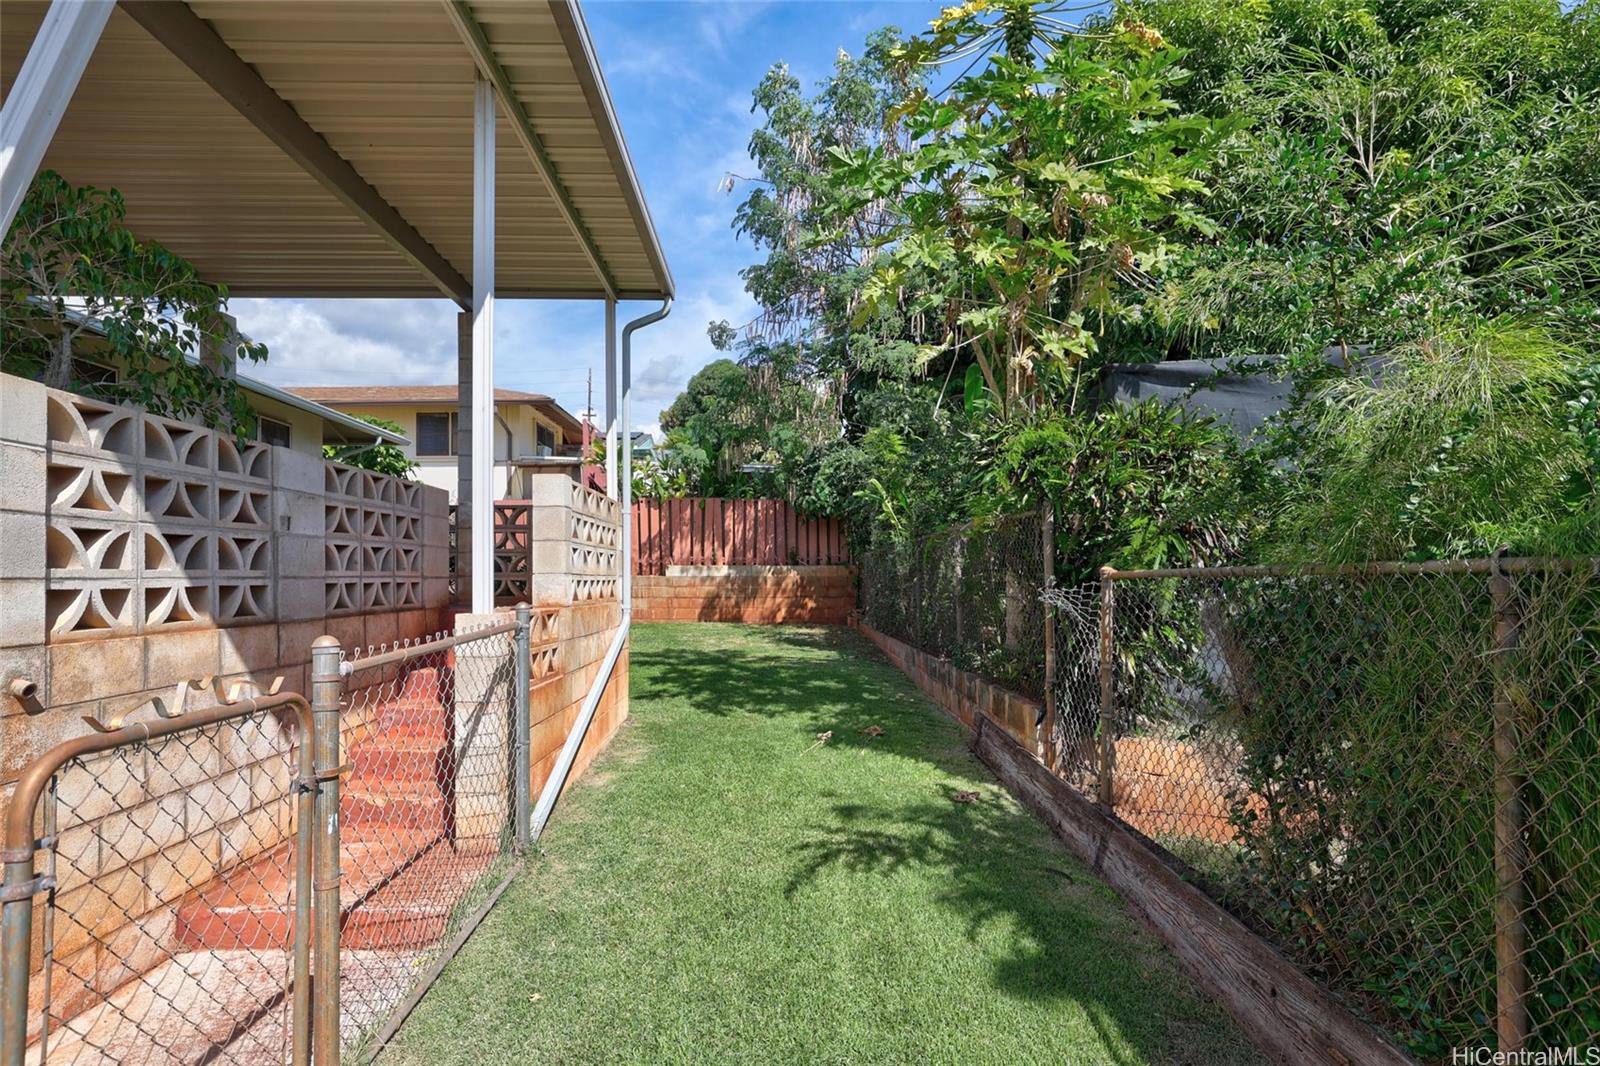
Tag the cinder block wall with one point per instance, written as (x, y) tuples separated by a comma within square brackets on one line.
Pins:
[(585, 632), (817, 595), (573, 538), (137, 552)]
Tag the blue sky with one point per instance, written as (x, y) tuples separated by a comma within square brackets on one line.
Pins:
[(680, 76)]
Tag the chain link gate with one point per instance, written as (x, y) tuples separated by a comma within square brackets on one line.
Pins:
[(151, 908), (171, 885)]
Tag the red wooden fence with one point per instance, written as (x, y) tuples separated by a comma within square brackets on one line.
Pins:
[(700, 531)]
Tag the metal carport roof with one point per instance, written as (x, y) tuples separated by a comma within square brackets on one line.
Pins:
[(325, 148)]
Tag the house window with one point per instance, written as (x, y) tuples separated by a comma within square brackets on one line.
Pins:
[(271, 431), (436, 434), (544, 440)]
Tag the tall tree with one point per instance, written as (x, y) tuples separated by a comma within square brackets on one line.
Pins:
[(1044, 194), (71, 267)]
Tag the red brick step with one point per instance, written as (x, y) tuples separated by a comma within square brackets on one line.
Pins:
[(393, 853)]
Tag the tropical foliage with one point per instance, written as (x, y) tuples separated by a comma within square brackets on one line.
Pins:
[(70, 268), (962, 230), (383, 457)]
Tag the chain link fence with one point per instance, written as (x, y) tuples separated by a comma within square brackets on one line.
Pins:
[(428, 812), (167, 855), (1393, 772), (970, 594), (170, 882)]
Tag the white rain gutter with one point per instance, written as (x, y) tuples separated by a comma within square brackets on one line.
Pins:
[(591, 703)]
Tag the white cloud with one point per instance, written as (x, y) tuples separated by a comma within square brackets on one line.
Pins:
[(332, 342), (722, 23), (540, 346), (669, 353)]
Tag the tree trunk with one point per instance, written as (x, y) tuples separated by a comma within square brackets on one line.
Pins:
[(58, 374)]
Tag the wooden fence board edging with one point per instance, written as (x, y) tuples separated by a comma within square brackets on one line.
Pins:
[(1288, 1016)]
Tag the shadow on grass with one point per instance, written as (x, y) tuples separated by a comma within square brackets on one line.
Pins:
[(1057, 948), (846, 689), (1059, 940)]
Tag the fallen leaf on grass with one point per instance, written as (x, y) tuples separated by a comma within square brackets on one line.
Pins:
[(822, 738), (873, 731), (964, 797)]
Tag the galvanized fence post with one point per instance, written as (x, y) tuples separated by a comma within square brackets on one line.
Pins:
[(1047, 548), (17, 919), (1510, 851), (520, 750), (1108, 689), (305, 848), (326, 688)]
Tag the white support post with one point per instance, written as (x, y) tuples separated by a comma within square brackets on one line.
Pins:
[(463, 446), (625, 476), (482, 529), (41, 93), (611, 398)]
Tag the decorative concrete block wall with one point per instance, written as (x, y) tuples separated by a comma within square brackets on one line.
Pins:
[(815, 595), (137, 553), (560, 550), (573, 542), (585, 633)]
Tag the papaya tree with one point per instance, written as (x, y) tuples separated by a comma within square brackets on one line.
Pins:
[(1044, 194)]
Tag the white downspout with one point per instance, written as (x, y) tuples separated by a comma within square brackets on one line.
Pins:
[(611, 398), (591, 702)]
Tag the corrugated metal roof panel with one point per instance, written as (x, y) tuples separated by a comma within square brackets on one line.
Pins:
[(390, 90)]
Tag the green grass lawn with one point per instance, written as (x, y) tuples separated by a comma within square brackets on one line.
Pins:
[(722, 888)]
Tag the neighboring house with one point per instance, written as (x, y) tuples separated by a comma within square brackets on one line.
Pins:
[(282, 418), (532, 431)]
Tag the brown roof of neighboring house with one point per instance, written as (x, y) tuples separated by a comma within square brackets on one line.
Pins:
[(405, 394), (379, 395)]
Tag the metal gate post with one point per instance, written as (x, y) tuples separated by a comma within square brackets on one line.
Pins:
[(18, 938), (1510, 851), (520, 750), (326, 688), (1047, 549), (305, 847), (1108, 690)]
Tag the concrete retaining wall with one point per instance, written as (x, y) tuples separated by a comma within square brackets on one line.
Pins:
[(818, 595), (963, 695)]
